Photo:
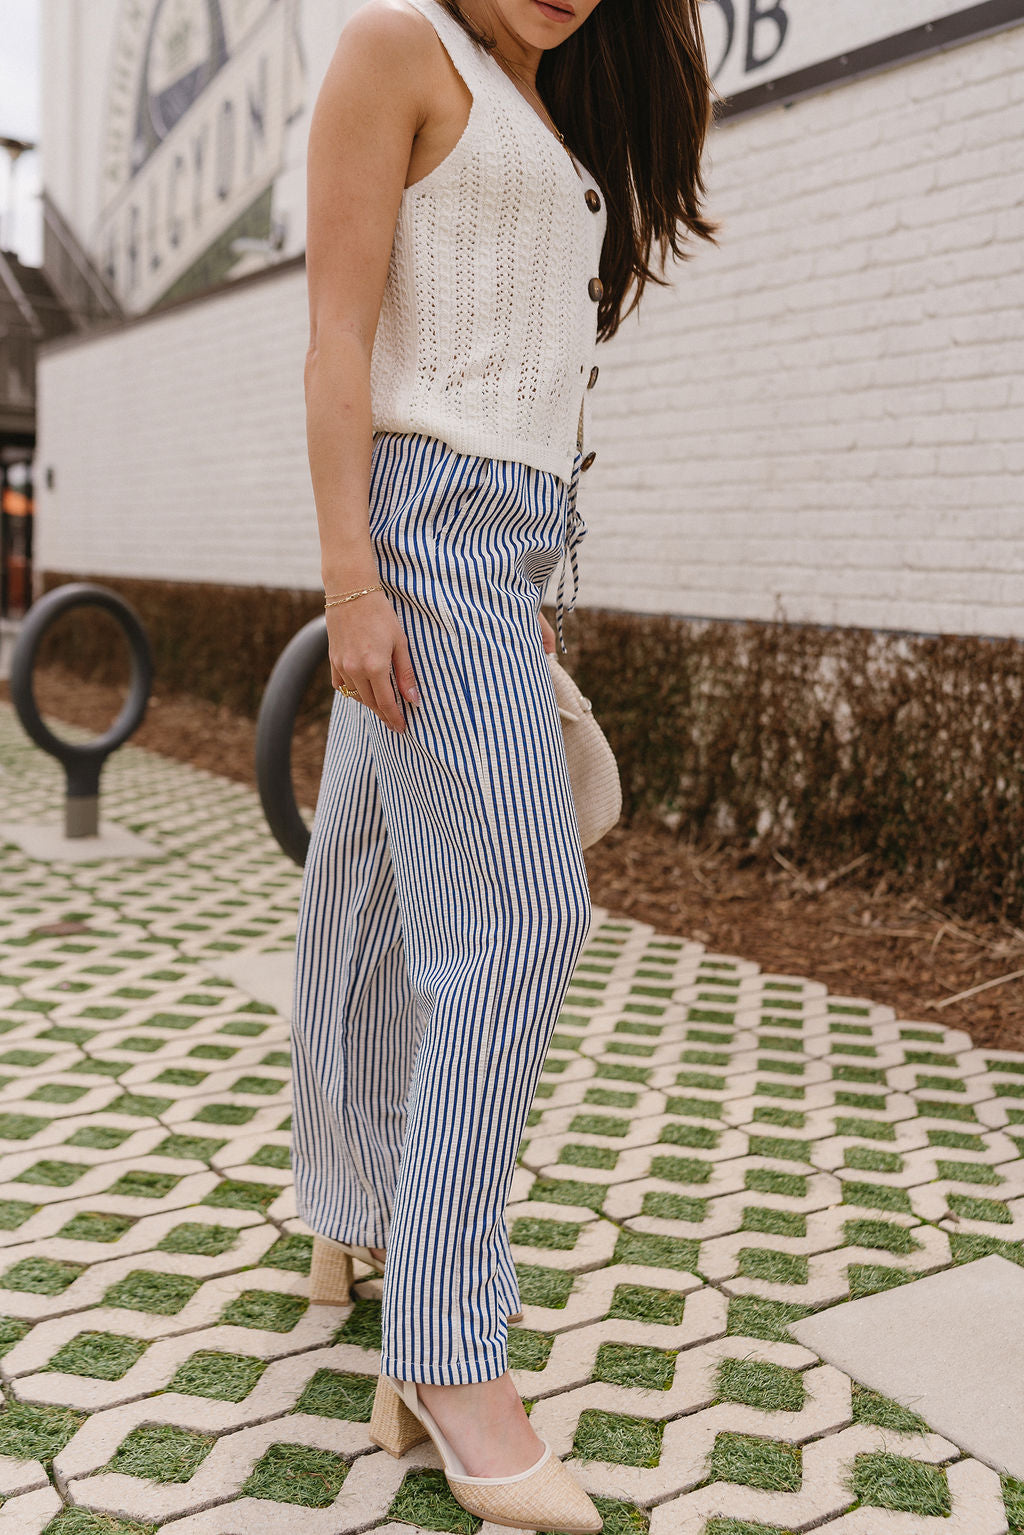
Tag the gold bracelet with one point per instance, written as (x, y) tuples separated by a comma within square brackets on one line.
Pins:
[(339, 597)]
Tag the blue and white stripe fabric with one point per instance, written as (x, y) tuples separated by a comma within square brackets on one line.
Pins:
[(444, 905)]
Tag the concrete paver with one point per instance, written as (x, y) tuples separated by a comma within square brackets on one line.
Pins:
[(713, 1154)]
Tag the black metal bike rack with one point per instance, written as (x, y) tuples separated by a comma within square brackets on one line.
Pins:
[(82, 762), (294, 670)]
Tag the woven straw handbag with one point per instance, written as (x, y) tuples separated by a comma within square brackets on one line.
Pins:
[(593, 771)]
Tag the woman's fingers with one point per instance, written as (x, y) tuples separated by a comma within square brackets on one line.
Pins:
[(384, 701), (404, 674)]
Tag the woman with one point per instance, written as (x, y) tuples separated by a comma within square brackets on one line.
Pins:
[(487, 181)]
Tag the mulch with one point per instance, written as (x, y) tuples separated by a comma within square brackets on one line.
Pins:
[(897, 947)]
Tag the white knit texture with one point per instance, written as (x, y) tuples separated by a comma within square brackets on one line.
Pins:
[(487, 329)]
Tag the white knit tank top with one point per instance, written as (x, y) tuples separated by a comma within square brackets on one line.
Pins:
[(488, 323)]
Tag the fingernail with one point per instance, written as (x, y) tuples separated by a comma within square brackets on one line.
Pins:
[(414, 696)]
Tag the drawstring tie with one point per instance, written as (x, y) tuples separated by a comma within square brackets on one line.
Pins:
[(575, 530)]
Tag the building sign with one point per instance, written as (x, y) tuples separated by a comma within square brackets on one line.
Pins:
[(751, 42), (200, 96)]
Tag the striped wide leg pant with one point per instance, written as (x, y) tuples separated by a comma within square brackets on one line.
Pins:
[(444, 904)]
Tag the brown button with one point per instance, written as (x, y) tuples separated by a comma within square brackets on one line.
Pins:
[(592, 380), (587, 462), (595, 288), (593, 201)]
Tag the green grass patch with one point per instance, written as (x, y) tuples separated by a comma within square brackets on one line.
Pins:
[(679, 1253), (598, 1124), (767, 1464), (771, 1266), (293, 1252), (41, 1276), (78, 1521), (681, 1169), (779, 1147), (718, 1058), (617, 1071), (14, 1213), (610, 1097), (540, 1286), (296, 1473), (139, 1104), (937, 1108), (148, 1290), (52, 1174), (527, 1349), (565, 1191), (674, 1207), (866, 1129), (967, 1246), (776, 1223), (971, 1209), (602, 1157), (12, 1330), (264, 1087), (956, 1140), (932, 1084), (98, 1355), (628, 1364), (640, 1303), (56, 1092), (244, 1028), (872, 1159), (95, 1226), (224, 1114), (238, 1194), (751, 1317), (741, 1526), (266, 1310), (884, 1480), (138, 1183), (36, 1433), (208, 1052), (21, 1127), (877, 1196), (222, 1377), (871, 1278), (338, 1394), (1013, 1501), (765, 1180), (968, 1172), (199, 1239), (882, 1234), (157, 1452), (424, 1500), (790, 1091), (870, 1101), (871, 1407), (196, 1148), (769, 1387), (361, 1327), (786, 1119), (700, 1137), (615, 1437), (98, 1137), (560, 1236)]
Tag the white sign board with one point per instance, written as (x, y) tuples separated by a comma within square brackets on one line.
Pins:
[(752, 41)]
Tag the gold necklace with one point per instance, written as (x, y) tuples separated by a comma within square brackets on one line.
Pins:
[(534, 93)]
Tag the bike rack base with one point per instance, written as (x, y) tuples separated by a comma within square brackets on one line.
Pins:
[(51, 844)]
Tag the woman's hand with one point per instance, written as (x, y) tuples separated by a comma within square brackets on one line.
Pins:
[(363, 647), (548, 635)]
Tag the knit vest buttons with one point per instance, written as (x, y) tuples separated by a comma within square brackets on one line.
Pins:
[(487, 320)]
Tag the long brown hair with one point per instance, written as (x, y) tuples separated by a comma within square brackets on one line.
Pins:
[(631, 92)]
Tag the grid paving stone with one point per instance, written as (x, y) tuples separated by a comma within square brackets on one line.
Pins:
[(755, 1128)]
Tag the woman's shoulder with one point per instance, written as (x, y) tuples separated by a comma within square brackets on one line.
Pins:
[(401, 27)]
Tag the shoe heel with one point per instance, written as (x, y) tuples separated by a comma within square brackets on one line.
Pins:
[(392, 1426), (330, 1274)]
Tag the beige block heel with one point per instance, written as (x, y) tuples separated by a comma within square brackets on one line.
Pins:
[(543, 1497), (330, 1273)]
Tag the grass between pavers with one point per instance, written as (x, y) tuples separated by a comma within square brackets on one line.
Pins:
[(527, 1231), (640, 1303), (741, 1527), (576, 1155), (872, 1159), (53, 1174), (95, 1226), (772, 1266), (967, 1246), (338, 1394), (78, 1521), (148, 1290), (296, 1473), (220, 1376), (41, 1276), (239, 1194), (159, 1452), (966, 1207), (425, 1500), (36, 1433), (265, 1310), (674, 1207), (540, 1286), (880, 1412), (769, 1387), (679, 1253), (98, 1137), (528, 1349), (292, 1252), (877, 1196), (1013, 1501), (681, 1169), (634, 1365), (564, 1191), (767, 1464), (702, 1137), (198, 1239), (362, 1325), (870, 1278), (749, 1316), (15, 1212), (882, 1234), (884, 1480), (779, 1223), (199, 1148), (617, 1437), (98, 1355), (12, 1330)]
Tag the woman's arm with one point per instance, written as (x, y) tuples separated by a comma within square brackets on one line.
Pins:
[(366, 117)]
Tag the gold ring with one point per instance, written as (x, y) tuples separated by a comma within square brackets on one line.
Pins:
[(348, 692)]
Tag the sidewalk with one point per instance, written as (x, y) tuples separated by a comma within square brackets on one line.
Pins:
[(713, 1153)]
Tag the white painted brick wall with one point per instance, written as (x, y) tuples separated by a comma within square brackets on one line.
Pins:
[(823, 419)]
